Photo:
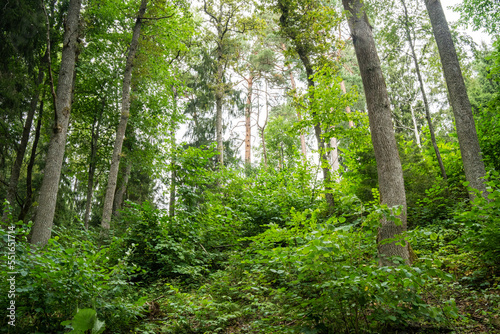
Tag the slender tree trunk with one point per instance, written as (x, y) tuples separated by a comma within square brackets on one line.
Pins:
[(219, 96), (120, 193), (466, 129), (171, 202), (29, 173), (42, 228), (248, 125), (92, 165), (424, 95), (327, 176), (334, 154), (415, 127), (122, 126), (299, 118), (390, 172), (21, 150), (347, 108)]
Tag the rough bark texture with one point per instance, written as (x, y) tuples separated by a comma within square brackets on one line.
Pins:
[(390, 173), (424, 95), (21, 149), (122, 126), (42, 227), (466, 130), (248, 125)]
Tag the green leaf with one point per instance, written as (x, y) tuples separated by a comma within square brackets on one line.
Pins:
[(434, 236)]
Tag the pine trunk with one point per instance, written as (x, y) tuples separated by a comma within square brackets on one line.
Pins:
[(122, 126), (42, 227), (466, 129), (390, 172)]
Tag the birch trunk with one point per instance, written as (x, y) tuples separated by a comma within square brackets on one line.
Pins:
[(122, 126), (42, 227), (459, 100), (390, 172)]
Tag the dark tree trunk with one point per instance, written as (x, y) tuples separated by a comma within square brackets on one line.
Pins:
[(42, 227), (122, 126), (390, 173), (21, 150), (29, 173), (466, 129)]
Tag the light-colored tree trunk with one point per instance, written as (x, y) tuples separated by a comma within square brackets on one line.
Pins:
[(42, 227), (466, 130), (122, 126), (299, 118), (248, 124), (424, 95), (390, 172), (415, 127)]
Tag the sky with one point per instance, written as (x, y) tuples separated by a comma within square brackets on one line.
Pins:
[(452, 16)]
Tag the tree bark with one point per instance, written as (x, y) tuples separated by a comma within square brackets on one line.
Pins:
[(390, 172), (21, 150), (248, 125), (462, 110), (122, 126), (424, 95), (42, 227)]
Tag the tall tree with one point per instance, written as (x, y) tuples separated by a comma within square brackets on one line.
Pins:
[(422, 89), (390, 172), (305, 24), (42, 227), (122, 126), (459, 100)]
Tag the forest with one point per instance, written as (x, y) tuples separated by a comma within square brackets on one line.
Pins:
[(266, 166)]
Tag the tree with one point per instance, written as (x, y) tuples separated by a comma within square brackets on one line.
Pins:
[(390, 172), (459, 100), (42, 227), (122, 126)]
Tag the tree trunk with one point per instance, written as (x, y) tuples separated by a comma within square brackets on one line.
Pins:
[(219, 96), (334, 154), (122, 126), (92, 165), (424, 95), (42, 227), (347, 108), (466, 130), (248, 125), (120, 193), (21, 150), (29, 173), (415, 127), (317, 130), (299, 118), (390, 172)]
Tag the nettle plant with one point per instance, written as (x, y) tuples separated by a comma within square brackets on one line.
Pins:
[(326, 276)]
